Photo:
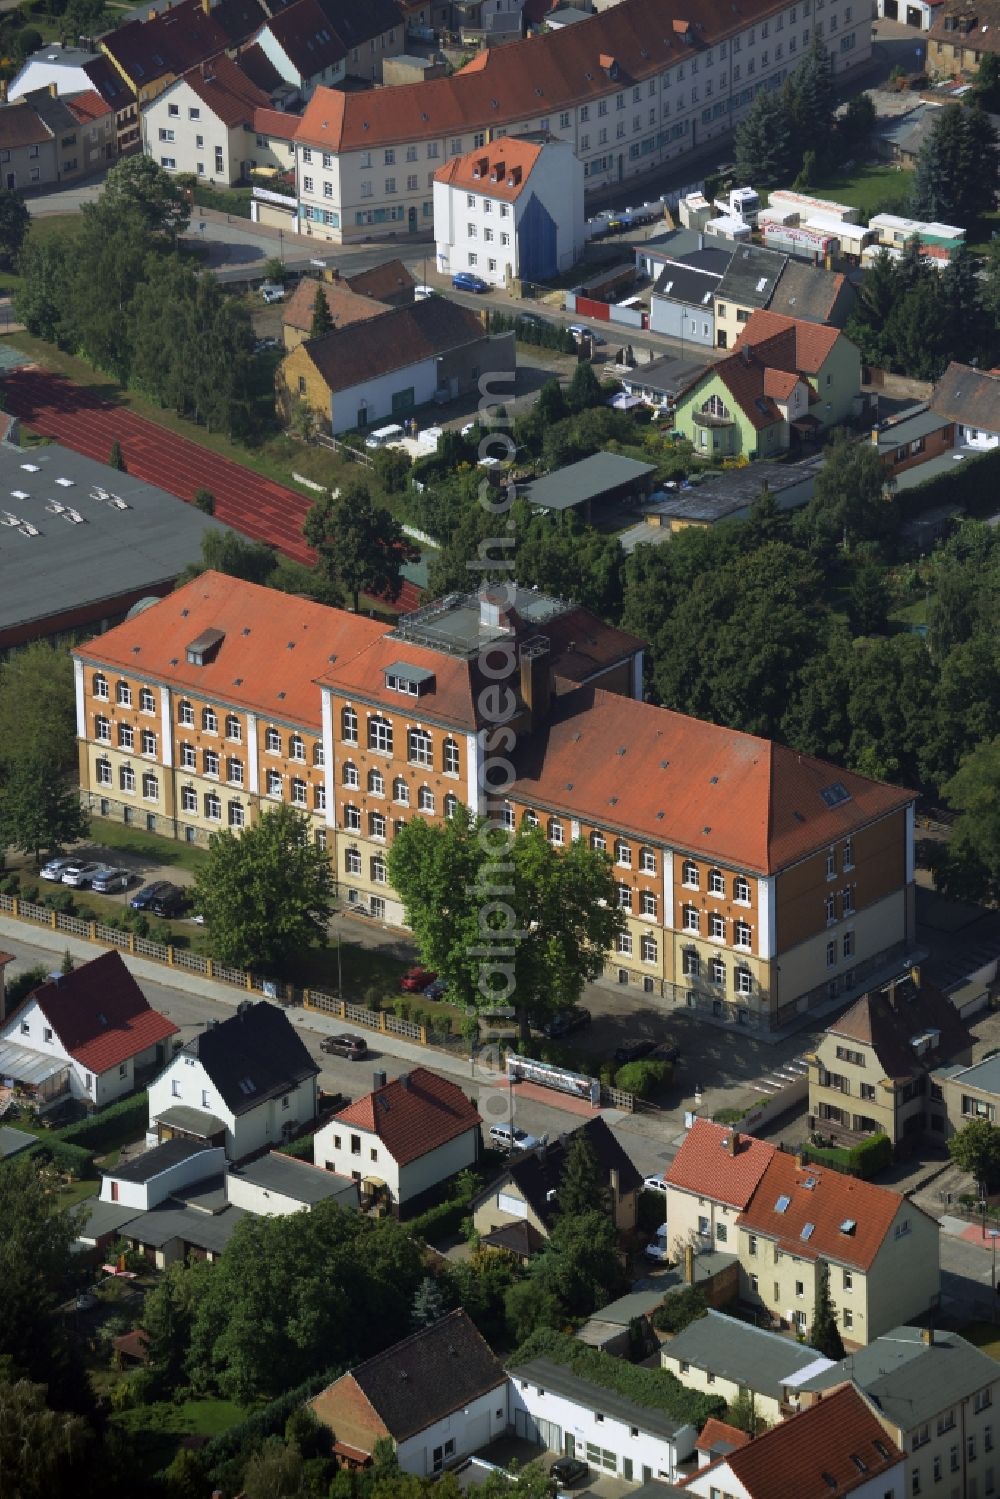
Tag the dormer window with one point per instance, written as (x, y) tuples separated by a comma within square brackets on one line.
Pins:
[(414, 681), (204, 647)]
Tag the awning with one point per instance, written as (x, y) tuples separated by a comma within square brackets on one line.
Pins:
[(25, 1066), (352, 1454), (374, 1182), (190, 1121)]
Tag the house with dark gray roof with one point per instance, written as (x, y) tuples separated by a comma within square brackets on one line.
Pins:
[(438, 1396), (719, 1355), (525, 1196), (748, 285), (971, 399), (246, 1083)]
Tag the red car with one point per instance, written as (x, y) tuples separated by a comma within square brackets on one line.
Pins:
[(415, 980)]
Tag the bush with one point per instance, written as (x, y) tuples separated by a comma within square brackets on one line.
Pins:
[(728, 1116), (10, 884), (116, 1125), (301, 1149), (59, 900), (651, 1211), (866, 1159), (21, 986), (440, 1221), (66, 1157), (680, 1309), (204, 500), (643, 1078)]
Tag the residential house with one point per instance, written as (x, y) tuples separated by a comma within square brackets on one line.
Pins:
[(709, 1182), (719, 1355), (971, 399), (732, 922), (913, 438), (813, 295), (520, 1206), (959, 36), (244, 1083), (960, 1093), (682, 303), (98, 136), (349, 299), (383, 368), (879, 1249), (28, 150), (275, 1185), (149, 53), (62, 123), (510, 211), (566, 1413), (935, 1394), (746, 288), (75, 73), (916, 13), (204, 123), (729, 495), (438, 1396), (83, 1035), (618, 88), (717, 1439), (403, 1140), (322, 42), (142, 1182), (836, 1447), (786, 382), (659, 382), (389, 283), (871, 1072)]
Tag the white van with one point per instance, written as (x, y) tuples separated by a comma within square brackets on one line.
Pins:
[(272, 292), (383, 436), (656, 1249)]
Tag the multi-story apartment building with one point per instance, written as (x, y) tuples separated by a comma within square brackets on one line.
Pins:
[(626, 88), (755, 881)]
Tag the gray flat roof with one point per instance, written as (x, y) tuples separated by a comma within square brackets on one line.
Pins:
[(296, 1179), (548, 1375), (741, 1353), (454, 623), (984, 1074), (587, 480), (192, 1121), (211, 1231), (104, 1218), (944, 463), (667, 375), (142, 1168), (13, 1141), (69, 564), (736, 489), (634, 1304), (910, 1380), (914, 424)]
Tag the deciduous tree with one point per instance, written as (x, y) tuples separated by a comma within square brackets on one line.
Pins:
[(136, 185), (14, 221), (975, 1148), (39, 809), (360, 545)]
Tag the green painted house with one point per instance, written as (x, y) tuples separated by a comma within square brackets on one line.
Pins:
[(785, 382)]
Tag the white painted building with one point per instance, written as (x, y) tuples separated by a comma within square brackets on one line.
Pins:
[(274, 1185), (512, 209), (564, 1413), (627, 92), (403, 1139), (246, 1083), (206, 123), (66, 67), (144, 1181)]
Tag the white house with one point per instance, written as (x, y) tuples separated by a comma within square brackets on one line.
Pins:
[(971, 399), (403, 1139), (568, 1414), (511, 209), (82, 1035), (245, 1083), (438, 1395), (274, 1185), (206, 123), (144, 1181), (836, 1447)]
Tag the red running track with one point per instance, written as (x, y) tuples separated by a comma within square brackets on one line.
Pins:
[(86, 422)]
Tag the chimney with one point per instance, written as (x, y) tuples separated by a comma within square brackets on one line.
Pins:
[(536, 680), (745, 353), (379, 1079), (613, 1183), (915, 975), (54, 90), (732, 1142), (689, 1264), (927, 1337), (404, 1078)]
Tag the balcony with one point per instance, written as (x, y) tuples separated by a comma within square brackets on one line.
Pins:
[(709, 419)]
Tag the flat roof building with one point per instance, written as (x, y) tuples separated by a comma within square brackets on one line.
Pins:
[(603, 479)]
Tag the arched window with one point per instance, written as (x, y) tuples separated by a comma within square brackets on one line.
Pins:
[(349, 726), (380, 735)]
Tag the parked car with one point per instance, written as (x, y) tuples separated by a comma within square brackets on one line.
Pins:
[(655, 1183), (632, 1051), (566, 1022), (416, 980), (435, 990), (110, 878), (657, 1249), (466, 281), (86, 1301), (354, 1048), (580, 332), (569, 1470), (169, 902), (56, 868), (80, 873), (509, 1138), (421, 293), (272, 292), (666, 1051), (263, 344), (143, 899)]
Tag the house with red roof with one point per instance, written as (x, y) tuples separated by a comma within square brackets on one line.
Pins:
[(403, 1139), (205, 122), (710, 1181), (82, 1035), (786, 382)]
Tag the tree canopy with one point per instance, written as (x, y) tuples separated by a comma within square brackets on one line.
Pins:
[(975, 1148), (360, 544), (956, 172)]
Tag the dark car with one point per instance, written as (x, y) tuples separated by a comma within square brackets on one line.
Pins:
[(569, 1470), (566, 1022), (169, 902), (355, 1048), (633, 1051), (143, 899), (417, 980)]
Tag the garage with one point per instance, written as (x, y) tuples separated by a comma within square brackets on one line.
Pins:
[(477, 1432), (537, 1429)]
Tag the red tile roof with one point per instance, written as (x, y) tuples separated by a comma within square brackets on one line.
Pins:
[(172, 42), (273, 121), (788, 343), (399, 338), (705, 1165), (306, 37), (715, 1432), (100, 1014), (746, 801), (382, 282), (21, 126), (829, 1202), (225, 89), (259, 68), (88, 106), (275, 645), (828, 1450), (499, 170), (413, 1115), (509, 84), (345, 306)]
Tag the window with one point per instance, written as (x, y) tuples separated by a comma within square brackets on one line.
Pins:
[(848, 1317), (624, 898), (102, 729), (741, 890), (691, 963), (319, 798), (743, 936), (744, 981), (625, 943), (189, 799), (379, 873), (419, 747), (210, 759), (376, 783), (557, 833), (380, 735), (123, 695), (689, 875), (831, 954), (213, 806), (126, 736), (717, 927), (507, 820), (299, 792), (717, 971), (648, 904), (237, 816), (319, 754), (450, 757), (104, 772), (234, 772), (297, 748), (101, 686), (349, 726), (401, 792), (848, 853), (450, 804), (147, 702), (376, 825), (867, 1092), (647, 861), (150, 787), (209, 721), (274, 783), (352, 861), (234, 729), (716, 882), (649, 949), (691, 920), (598, 841), (272, 742), (426, 800)]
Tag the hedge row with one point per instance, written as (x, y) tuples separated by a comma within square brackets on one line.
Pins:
[(964, 485), (249, 1434), (866, 1159), (116, 1125), (440, 1221)]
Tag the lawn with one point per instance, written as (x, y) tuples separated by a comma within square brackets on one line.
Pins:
[(155, 1431), (148, 846), (873, 189)]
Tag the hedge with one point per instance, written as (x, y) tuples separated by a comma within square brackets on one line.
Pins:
[(69, 1157), (119, 1123), (249, 1434), (866, 1159), (301, 1149), (643, 1078), (440, 1221), (655, 1388), (967, 486)]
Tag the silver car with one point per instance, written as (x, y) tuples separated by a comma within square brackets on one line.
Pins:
[(56, 868), (109, 878)]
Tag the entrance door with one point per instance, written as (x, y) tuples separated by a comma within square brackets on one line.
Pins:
[(891, 8), (621, 165), (11, 181), (570, 1444), (114, 1191), (412, 220)]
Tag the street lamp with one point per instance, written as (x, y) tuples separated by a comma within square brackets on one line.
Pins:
[(993, 1234)]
